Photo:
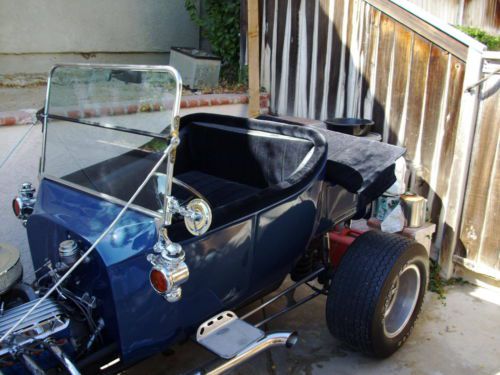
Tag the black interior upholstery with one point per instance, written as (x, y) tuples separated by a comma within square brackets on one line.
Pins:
[(242, 165), (218, 191), (239, 165)]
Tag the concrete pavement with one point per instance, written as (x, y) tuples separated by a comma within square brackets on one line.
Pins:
[(460, 337)]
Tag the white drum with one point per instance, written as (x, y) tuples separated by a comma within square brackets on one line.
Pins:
[(11, 269)]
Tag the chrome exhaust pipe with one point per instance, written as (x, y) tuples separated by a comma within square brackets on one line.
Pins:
[(63, 359), (286, 339), (30, 364)]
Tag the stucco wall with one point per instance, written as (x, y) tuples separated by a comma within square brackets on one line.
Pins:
[(36, 33)]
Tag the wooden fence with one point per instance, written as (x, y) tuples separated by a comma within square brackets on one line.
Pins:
[(389, 61)]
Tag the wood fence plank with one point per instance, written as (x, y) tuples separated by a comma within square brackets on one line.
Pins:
[(418, 80), (310, 9), (481, 220), (455, 89), (349, 55), (281, 22), (338, 19), (369, 84), (294, 50), (434, 105), (270, 13), (403, 45), (458, 173), (385, 46), (321, 59)]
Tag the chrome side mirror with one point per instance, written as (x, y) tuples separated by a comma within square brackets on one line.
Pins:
[(201, 218)]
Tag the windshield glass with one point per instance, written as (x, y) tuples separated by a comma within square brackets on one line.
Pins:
[(107, 126)]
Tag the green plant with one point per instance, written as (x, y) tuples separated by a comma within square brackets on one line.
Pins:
[(437, 284), (221, 26), (491, 41)]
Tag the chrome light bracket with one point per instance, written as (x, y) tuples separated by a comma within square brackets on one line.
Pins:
[(169, 258)]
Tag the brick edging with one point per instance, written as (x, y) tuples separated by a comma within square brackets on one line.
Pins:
[(27, 116), (21, 117)]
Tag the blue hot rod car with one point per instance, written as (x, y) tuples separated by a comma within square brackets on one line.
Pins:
[(133, 255)]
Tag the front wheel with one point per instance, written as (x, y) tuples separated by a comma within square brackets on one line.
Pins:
[(377, 293)]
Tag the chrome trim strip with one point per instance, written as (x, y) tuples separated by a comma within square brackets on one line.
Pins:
[(256, 133)]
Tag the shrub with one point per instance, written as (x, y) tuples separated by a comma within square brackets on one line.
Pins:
[(491, 41), (221, 26)]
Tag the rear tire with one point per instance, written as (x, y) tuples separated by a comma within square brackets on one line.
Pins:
[(377, 293)]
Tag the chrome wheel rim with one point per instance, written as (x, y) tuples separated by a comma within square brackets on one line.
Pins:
[(401, 301)]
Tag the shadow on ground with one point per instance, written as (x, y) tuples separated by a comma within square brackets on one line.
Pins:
[(458, 336)]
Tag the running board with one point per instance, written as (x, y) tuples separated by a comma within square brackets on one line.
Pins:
[(236, 341)]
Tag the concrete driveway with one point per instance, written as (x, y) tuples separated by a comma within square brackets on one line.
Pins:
[(460, 336)]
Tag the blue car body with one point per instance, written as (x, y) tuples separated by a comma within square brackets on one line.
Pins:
[(228, 266)]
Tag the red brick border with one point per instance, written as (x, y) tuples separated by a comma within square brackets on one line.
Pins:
[(22, 117), (192, 101)]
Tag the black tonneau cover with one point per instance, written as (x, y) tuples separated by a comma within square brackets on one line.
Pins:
[(361, 166)]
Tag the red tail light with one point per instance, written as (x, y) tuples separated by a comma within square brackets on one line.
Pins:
[(16, 207), (158, 280)]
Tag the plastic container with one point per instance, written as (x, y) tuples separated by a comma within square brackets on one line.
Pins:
[(198, 69)]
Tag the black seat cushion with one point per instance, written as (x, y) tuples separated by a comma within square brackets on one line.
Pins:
[(216, 190)]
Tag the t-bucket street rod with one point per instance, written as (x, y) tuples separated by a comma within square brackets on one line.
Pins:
[(266, 194)]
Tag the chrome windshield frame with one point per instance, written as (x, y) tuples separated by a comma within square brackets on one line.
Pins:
[(175, 117)]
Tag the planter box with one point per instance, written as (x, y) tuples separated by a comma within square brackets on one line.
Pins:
[(198, 69)]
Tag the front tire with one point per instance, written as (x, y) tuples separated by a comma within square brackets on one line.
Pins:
[(377, 293)]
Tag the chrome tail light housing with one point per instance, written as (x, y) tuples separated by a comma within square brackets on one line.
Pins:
[(24, 203)]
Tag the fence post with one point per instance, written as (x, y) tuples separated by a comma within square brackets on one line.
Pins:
[(253, 58), (459, 172)]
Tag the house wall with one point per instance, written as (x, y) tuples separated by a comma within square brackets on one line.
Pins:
[(35, 34)]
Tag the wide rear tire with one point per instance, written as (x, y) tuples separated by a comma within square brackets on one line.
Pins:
[(377, 293)]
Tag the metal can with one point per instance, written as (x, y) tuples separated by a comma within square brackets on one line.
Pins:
[(414, 208)]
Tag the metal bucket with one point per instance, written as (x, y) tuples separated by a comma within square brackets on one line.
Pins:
[(352, 126), (414, 208)]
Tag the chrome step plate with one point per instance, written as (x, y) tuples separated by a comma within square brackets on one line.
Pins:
[(226, 335)]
